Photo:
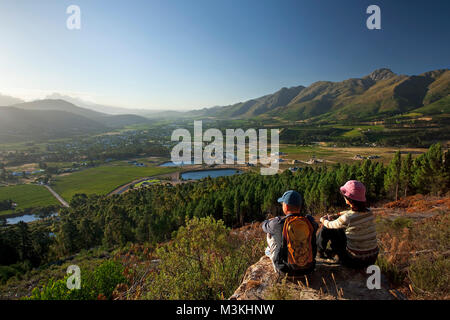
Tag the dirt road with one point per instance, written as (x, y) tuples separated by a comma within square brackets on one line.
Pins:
[(58, 197)]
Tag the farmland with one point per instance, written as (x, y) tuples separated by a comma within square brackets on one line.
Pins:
[(103, 179), (27, 196), (342, 154)]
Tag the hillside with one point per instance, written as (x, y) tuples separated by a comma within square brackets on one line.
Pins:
[(8, 100), (50, 119), (22, 125), (62, 105), (377, 95)]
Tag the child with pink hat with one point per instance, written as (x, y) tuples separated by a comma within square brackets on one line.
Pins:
[(351, 233)]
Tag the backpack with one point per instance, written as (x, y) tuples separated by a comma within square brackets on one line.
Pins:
[(297, 234)]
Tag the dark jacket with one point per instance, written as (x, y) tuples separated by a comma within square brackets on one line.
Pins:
[(275, 228)]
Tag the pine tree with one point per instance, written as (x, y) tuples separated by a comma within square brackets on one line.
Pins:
[(25, 246), (446, 171), (406, 174), (392, 179), (435, 161), (365, 175)]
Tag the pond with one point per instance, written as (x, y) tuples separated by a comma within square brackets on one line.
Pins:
[(26, 218), (175, 164), (197, 175)]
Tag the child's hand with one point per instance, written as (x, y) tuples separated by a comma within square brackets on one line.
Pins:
[(332, 217)]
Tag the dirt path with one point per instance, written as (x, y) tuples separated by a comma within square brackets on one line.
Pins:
[(58, 197)]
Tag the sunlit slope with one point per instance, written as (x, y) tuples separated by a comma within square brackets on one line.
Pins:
[(375, 96)]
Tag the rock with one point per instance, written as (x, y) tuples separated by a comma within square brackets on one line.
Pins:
[(329, 281), (381, 74), (257, 279)]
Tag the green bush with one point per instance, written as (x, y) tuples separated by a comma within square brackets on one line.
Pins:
[(401, 223), (386, 225), (392, 272), (14, 270), (6, 272), (99, 283), (106, 277), (202, 262), (53, 290)]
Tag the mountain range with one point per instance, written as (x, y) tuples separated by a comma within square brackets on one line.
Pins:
[(49, 119), (377, 95)]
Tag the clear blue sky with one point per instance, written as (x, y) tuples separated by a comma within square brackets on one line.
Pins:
[(188, 54)]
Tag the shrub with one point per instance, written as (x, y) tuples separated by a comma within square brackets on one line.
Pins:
[(53, 290), (6, 272), (18, 269), (94, 285), (279, 291), (202, 262), (392, 272), (106, 277), (401, 223)]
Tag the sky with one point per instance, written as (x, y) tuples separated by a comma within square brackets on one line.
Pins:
[(191, 54)]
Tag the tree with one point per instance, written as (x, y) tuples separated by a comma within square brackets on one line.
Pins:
[(25, 246), (429, 171), (446, 171), (406, 174), (392, 179), (435, 160), (68, 237)]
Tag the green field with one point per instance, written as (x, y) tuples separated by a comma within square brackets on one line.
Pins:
[(342, 154), (102, 180), (153, 181), (27, 196), (306, 152)]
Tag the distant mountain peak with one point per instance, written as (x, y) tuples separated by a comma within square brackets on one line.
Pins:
[(381, 74), (8, 100)]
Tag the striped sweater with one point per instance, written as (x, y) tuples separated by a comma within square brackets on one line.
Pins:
[(359, 229)]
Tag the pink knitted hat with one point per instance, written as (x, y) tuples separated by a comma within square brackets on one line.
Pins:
[(354, 190)]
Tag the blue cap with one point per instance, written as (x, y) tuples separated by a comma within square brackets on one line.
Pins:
[(291, 197)]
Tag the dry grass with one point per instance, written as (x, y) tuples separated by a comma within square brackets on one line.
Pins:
[(415, 255)]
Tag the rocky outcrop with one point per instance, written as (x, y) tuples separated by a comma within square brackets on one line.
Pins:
[(381, 74), (330, 281)]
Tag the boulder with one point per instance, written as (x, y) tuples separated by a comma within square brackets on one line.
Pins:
[(329, 281)]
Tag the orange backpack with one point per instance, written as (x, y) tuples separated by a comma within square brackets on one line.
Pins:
[(298, 232)]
